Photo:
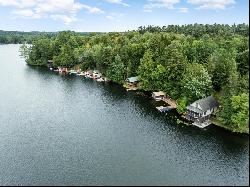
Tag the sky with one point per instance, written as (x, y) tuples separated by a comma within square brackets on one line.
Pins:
[(116, 15)]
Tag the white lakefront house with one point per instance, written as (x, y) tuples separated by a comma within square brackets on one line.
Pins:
[(201, 111)]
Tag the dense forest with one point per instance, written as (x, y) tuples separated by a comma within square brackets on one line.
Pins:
[(187, 62), (199, 30)]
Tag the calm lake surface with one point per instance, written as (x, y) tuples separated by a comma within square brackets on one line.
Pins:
[(68, 130)]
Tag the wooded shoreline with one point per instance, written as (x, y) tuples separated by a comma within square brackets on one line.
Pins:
[(186, 66)]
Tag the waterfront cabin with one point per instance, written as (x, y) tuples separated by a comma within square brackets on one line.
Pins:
[(132, 81), (201, 111), (158, 96), (97, 74), (132, 84)]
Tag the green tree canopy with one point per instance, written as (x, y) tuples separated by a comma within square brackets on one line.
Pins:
[(196, 82)]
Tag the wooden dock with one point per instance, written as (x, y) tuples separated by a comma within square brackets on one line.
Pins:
[(172, 104), (132, 88)]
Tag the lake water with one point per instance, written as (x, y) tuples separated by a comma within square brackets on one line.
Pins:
[(68, 130)]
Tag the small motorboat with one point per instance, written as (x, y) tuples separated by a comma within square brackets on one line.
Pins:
[(100, 80)]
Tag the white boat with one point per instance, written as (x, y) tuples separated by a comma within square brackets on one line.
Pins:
[(100, 80)]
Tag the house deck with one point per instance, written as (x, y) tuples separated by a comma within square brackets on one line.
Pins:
[(185, 117), (202, 125)]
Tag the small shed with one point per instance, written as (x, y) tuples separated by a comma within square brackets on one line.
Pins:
[(158, 96), (50, 63)]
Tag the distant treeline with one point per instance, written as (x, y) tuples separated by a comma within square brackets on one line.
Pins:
[(18, 37), (194, 30), (199, 30), (15, 37)]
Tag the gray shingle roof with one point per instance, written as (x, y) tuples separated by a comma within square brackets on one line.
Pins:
[(132, 79), (206, 104), (194, 109)]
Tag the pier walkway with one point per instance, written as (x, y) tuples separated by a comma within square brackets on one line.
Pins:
[(172, 104)]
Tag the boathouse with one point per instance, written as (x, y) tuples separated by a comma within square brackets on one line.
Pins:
[(158, 96), (201, 111)]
